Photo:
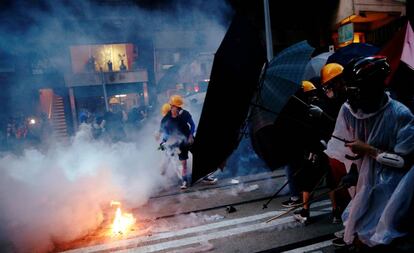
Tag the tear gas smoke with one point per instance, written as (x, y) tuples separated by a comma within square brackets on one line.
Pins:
[(61, 194)]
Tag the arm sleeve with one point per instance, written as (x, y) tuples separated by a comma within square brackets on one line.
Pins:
[(189, 121), (405, 135), (336, 149)]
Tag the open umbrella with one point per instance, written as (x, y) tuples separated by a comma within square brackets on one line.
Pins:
[(347, 53), (274, 143), (282, 78), (233, 80), (314, 66)]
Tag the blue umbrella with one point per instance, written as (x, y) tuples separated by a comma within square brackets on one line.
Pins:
[(314, 66), (347, 53), (282, 78)]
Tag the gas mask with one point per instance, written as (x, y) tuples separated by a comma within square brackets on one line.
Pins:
[(366, 97)]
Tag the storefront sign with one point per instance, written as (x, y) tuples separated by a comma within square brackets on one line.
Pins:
[(346, 33)]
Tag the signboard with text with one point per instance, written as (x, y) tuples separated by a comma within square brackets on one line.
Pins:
[(346, 33)]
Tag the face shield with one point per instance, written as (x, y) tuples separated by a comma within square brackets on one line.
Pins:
[(365, 96), (364, 79)]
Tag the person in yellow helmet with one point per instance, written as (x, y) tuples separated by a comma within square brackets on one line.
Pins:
[(165, 108), (177, 127), (310, 92), (333, 85), (307, 86), (331, 79), (314, 165), (305, 112), (334, 96)]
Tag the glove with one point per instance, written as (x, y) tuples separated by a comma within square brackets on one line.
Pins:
[(351, 178), (161, 146), (315, 111)]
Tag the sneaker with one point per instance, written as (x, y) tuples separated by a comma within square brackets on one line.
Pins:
[(338, 242), (209, 180), (340, 233), (302, 215), (184, 185), (291, 202), (336, 216)]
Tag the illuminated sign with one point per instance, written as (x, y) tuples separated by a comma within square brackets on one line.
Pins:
[(346, 33)]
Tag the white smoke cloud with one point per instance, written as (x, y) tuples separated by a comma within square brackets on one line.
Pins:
[(59, 193)]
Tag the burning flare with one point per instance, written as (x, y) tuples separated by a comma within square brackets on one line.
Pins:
[(122, 222)]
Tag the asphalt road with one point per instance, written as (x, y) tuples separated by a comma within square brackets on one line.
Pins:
[(196, 220)]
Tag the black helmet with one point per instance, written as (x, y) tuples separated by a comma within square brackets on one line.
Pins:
[(366, 69), (364, 80)]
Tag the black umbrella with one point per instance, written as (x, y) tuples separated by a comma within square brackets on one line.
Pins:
[(275, 136), (347, 53), (282, 78), (234, 78)]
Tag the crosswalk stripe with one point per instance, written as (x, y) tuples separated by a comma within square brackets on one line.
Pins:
[(311, 247), (197, 229), (206, 237)]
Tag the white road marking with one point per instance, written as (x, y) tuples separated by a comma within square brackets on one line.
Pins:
[(133, 242), (311, 247), (206, 237)]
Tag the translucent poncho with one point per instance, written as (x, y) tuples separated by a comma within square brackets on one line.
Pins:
[(382, 207)]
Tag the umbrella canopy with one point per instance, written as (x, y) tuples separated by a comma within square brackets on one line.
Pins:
[(274, 138), (233, 80), (282, 78), (314, 66), (347, 53)]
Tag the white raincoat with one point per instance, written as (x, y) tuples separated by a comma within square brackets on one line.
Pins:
[(382, 207)]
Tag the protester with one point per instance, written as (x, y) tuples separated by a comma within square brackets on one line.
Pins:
[(178, 127), (333, 87), (379, 142), (334, 96), (315, 164), (165, 108), (291, 120)]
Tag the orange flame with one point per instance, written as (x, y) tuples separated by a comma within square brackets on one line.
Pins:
[(122, 223)]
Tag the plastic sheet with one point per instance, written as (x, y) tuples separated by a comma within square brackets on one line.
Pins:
[(384, 195)]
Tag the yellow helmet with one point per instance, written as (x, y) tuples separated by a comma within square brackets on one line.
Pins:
[(330, 71), (308, 86), (165, 108), (176, 100)]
